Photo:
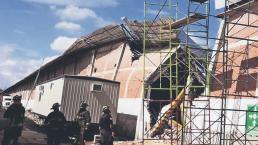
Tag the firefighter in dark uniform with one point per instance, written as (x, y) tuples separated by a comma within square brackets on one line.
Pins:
[(106, 127), (15, 114), (83, 118), (55, 122)]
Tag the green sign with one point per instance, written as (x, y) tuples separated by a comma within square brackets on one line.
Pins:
[(251, 125)]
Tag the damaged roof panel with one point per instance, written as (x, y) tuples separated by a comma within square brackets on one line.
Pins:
[(104, 35)]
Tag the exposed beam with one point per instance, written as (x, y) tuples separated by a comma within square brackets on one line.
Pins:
[(199, 1), (93, 61), (187, 20), (119, 62)]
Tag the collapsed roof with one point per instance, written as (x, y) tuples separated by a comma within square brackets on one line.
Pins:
[(131, 32)]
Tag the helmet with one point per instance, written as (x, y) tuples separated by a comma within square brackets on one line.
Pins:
[(17, 98), (105, 109), (84, 105), (55, 106)]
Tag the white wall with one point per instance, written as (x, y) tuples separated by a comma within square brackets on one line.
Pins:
[(49, 97), (130, 106), (232, 117), (134, 106), (221, 3)]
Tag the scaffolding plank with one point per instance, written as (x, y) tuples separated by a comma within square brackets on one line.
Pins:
[(182, 22)]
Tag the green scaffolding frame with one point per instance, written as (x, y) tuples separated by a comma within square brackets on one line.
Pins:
[(173, 65)]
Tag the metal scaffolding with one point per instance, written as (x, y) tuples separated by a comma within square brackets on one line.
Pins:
[(196, 93)]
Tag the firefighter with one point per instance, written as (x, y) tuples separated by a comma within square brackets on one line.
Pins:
[(106, 127), (83, 118), (55, 122), (15, 115)]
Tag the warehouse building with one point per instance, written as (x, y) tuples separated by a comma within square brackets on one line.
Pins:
[(112, 53)]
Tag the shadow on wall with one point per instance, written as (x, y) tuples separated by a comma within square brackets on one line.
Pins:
[(126, 126), (216, 86)]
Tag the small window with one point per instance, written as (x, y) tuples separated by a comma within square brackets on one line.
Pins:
[(41, 89), (95, 69), (96, 87), (51, 85), (40, 95)]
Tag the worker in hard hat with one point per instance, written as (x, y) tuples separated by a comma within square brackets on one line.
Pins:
[(15, 115), (106, 127), (55, 122), (84, 119)]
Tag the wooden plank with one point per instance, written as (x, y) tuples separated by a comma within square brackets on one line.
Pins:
[(199, 1), (187, 20), (159, 126)]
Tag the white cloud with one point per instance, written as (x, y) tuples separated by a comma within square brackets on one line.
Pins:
[(100, 22), (16, 69), (6, 51), (74, 13), (68, 26), (155, 12), (62, 43), (81, 3), (13, 68)]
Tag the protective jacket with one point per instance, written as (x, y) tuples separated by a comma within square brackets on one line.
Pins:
[(106, 129), (15, 114), (55, 121), (83, 117)]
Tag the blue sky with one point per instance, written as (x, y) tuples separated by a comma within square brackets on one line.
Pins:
[(35, 29)]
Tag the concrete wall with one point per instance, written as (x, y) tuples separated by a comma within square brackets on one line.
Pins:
[(242, 59), (202, 118)]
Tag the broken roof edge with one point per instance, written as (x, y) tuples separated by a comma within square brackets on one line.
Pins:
[(97, 37), (64, 55), (69, 52), (95, 46), (56, 60)]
